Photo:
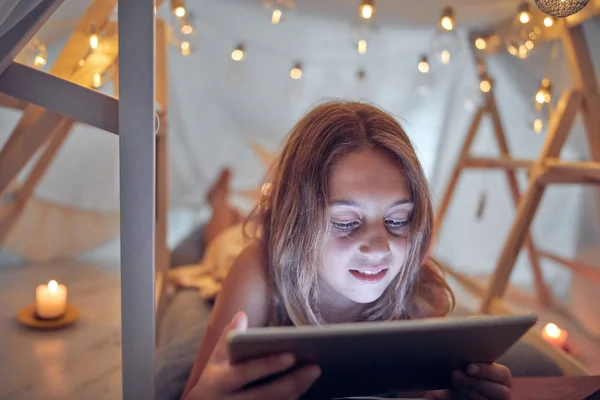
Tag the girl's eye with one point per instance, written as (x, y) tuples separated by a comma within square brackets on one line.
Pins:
[(345, 226), (395, 224)]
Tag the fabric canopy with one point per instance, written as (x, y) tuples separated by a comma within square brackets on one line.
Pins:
[(223, 112)]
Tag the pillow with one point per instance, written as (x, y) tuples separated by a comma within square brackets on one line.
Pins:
[(180, 330)]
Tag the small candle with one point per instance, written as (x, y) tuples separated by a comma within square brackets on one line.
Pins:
[(50, 300), (554, 335)]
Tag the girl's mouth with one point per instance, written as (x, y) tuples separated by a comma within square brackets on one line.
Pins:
[(369, 275)]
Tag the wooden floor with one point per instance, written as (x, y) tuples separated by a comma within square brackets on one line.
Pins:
[(83, 362)]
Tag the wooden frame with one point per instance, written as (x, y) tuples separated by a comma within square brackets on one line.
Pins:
[(547, 169), (47, 120)]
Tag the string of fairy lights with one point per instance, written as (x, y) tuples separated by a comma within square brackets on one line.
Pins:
[(520, 41)]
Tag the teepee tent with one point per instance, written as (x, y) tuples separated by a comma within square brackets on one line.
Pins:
[(238, 79)]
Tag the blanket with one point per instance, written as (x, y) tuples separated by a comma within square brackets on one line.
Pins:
[(208, 274)]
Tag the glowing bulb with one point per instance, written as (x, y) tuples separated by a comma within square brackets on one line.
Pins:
[(447, 23), (529, 44), (187, 29), (185, 48), (485, 86), (524, 17), (523, 53), (362, 46), (447, 18), (367, 10), (39, 61), (423, 65), (180, 11), (538, 125), (238, 54), (94, 41), (539, 97), (480, 43), (296, 72), (548, 21), (513, 50), (445, 57), (81, 62), (97, 80), (53, 286), (276, 16)]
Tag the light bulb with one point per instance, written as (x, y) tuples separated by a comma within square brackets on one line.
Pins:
[(423, 65), (367, 9), (447, 18), (296, 72), (362, 46), (529, 45), (548, 21), (276, 16), (179, 11), (97, 80), (485, 85), (185, 48), (94, 41), (39, 61), (187, 29), (81, 62), (539, 97), (544, 94), (480, 43), (238, 54), (41, 57), (445, 57), (538, 125)]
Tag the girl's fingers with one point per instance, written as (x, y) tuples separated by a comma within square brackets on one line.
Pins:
[(290, 386), (486, 389), (235, 377), (239, 322), (490, 372)]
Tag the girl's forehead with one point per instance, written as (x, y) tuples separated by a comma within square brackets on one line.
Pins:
[(366, 174)]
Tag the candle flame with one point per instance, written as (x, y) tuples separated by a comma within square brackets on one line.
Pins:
[(552, 330), (53, 286)]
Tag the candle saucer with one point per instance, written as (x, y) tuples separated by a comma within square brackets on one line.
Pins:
[(27, 317)]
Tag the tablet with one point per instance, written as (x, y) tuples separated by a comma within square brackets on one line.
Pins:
[(375, 358)]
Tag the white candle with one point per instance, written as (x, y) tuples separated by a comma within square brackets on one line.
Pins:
[(50, 300)]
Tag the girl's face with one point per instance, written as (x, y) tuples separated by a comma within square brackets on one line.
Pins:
[(369, 215)]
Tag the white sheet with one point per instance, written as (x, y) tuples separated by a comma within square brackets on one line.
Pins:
[(12, 11)]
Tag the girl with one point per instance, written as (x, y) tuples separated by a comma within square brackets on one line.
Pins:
[(343, 236)]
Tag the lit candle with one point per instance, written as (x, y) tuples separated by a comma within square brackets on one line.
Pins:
[(554, 335), (50, 300)]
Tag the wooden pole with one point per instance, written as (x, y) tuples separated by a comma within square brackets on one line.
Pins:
[(543, 295), (453, 181), (137, 160), (162, 160), (560, 126)]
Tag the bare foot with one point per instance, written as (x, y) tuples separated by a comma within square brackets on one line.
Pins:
[(219, 191)]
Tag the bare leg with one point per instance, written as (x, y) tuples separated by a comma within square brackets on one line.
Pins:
[(224, 215)]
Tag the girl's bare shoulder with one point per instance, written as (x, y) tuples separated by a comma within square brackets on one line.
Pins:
[(245, 287)]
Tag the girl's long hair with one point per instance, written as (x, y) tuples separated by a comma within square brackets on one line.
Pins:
[(292, 216)]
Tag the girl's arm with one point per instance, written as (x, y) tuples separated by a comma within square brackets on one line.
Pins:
[(244, 289)]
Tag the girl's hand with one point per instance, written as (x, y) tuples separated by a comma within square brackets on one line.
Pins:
[(477, 382), (221, 380)]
